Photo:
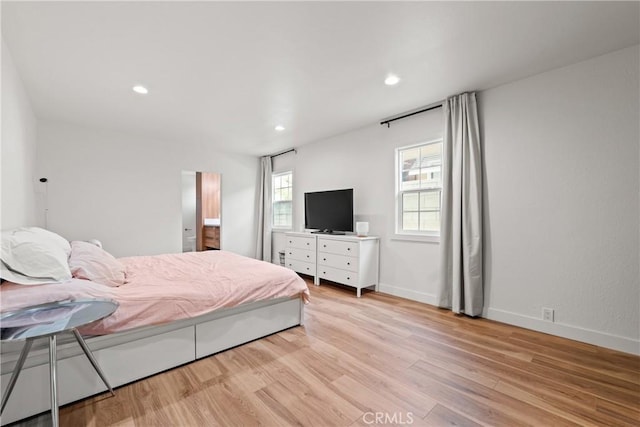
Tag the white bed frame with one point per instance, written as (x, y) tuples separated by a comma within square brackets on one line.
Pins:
[(128, 356)]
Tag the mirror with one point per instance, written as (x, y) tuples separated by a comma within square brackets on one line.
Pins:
[(201, 209)]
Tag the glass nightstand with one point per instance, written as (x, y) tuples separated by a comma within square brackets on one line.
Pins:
[(50, 320)]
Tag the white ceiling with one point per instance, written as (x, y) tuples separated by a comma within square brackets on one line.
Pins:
[(227, 73)]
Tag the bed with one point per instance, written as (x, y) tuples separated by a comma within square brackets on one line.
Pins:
[(173, 309)]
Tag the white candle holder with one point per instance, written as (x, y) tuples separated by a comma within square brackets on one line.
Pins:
[(362, 229)]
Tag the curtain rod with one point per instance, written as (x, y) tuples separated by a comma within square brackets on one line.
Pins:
[(283, 152), (411, 113)]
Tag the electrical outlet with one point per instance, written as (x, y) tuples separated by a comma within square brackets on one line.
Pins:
[(547, 314)]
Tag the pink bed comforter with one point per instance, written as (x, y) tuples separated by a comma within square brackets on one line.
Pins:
[(164, 288)]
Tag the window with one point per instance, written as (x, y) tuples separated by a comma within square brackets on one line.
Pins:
[(282, 185), (419, 188)]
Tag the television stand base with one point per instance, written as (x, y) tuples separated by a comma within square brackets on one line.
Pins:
[(335, 233)]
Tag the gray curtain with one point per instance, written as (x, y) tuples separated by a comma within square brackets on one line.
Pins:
[(461, 287), (263, 246)]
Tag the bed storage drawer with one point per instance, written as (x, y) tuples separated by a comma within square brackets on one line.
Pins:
[(229, 331), (146, 356)]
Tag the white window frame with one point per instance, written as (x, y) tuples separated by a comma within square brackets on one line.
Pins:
[(273, 211), (400, 234)]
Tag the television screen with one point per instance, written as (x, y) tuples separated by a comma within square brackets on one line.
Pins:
[(329, 211)]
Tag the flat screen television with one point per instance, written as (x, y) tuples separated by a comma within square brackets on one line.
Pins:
[(329, 211)]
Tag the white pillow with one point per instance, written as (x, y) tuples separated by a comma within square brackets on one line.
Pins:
[(21, 279), (35, 253)]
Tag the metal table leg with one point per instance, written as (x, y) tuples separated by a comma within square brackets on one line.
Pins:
[(16, 372), (53, 364), (93, 361)]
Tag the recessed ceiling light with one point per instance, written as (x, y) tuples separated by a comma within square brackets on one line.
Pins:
[(279, 128), (391, 80), (140, 89)]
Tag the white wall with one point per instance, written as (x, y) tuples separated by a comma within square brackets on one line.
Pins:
[(561, 200), (127, 191), (19, 198), (364, 160)]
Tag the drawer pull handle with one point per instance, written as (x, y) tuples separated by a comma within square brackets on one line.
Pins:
[(307, 256), (307, 268), (348, 249), (348, 263), (348, 278), (324, 272), (324, 246), (324, 259)]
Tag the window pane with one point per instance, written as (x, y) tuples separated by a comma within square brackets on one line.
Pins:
[(429, 221), (409, 158), (430, 177), (410, 162), (410, 221), (411, 182), (431, 164), (430, 200), (410, 202), (282, 195), (419, 168), (282, 214), (430, 155), (424, 173)]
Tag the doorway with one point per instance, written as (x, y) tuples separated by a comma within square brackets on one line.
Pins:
[(201, 211)]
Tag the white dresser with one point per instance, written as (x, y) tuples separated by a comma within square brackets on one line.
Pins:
[(348, 259)]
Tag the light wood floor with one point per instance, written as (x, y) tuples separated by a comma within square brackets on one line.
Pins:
[(383, 360)]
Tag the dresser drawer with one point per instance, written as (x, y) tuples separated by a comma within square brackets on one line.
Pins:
[(301, 266), (337, 275), (300, 242), (338, 247), (338, 261), (300, 254)]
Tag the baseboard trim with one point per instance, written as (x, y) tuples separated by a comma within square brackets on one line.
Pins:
[(614, 342), (589, 336), (407, 293)]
